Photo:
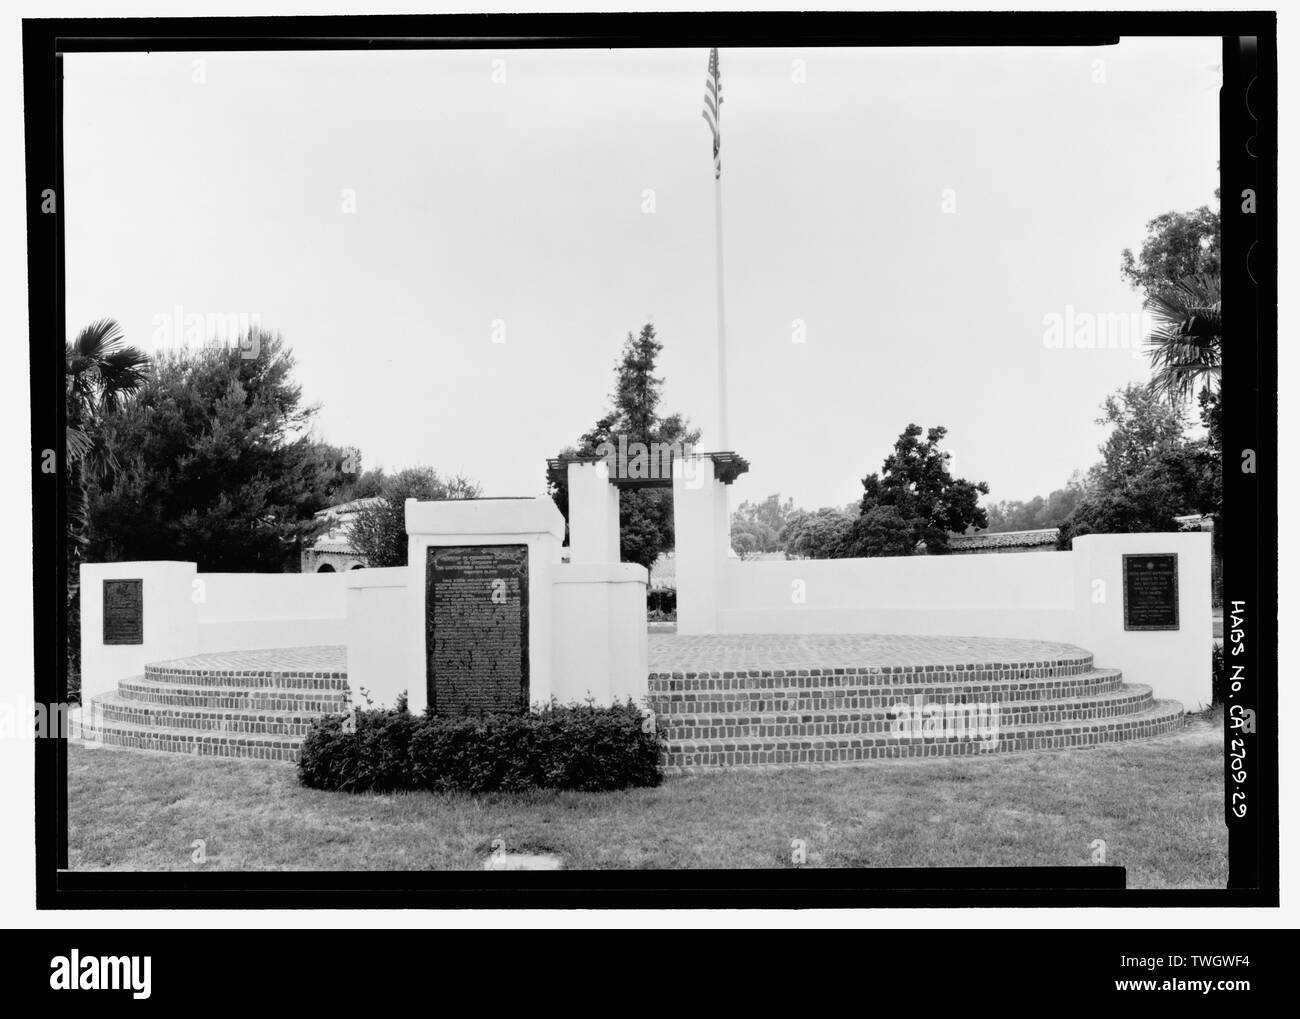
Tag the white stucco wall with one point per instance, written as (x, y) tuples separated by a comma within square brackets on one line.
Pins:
[(247, 611), (601, 647), (1034, 595), (169, 625), (699, 502), (1029, 595), (376, 634), (1174, 663), (587, 627)]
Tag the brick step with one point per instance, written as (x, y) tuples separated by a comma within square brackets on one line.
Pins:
[(250, 679), (115, 708), (1160, 718), (180, 695), (187, 741), (866, 696), (868, 675), (1129, 700)]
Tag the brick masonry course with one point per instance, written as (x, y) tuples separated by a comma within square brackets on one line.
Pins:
[(720, 701)]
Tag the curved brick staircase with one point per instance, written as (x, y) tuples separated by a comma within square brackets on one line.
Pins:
[(761, 700), (720, 701), (237, 704)]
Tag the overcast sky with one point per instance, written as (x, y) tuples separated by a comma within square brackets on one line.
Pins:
[(921, 212)]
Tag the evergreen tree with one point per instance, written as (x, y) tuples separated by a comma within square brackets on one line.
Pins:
[(218, 465), (645, 514)]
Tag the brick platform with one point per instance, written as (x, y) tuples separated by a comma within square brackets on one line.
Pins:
[(721, 701), (781, 700), (256, 704)]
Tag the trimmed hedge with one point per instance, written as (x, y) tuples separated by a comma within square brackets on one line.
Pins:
[(558, 747)]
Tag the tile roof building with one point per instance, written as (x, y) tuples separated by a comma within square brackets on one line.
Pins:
[(332, 552)]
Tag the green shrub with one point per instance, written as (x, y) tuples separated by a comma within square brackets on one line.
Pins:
[(557, 747), (372, 757)]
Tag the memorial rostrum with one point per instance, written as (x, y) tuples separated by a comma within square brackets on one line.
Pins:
[(1150, 592)]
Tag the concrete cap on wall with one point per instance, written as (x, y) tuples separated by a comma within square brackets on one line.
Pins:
[(374, 576), (534, 515), (600, 573), (137, 562), (1143, 539)]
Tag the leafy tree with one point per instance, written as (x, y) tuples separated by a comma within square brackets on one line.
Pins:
[(1150, 471), (915, 499), (883, 531), (1180, 276), (756, 527), (1177, 245), (820, 535), (1038, 513), (378, 531), (1142, 426), (645, 514), (218, 464)]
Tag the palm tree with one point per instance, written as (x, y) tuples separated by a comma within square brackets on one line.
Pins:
[(100, 370), (1186, 341)]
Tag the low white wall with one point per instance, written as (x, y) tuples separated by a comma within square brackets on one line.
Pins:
[(248, 611), (1029, 595), (601, 646), (1076, 597), (595, 640), (229, 597), (186, 613), (587, 632), (168, 616)]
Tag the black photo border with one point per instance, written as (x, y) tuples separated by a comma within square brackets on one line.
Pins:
[(1248, 133)]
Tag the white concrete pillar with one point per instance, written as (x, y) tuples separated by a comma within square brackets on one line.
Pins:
[(169, 593), (533, 522), (1175, 663), (698, 500), (593, 514), (601, 639)]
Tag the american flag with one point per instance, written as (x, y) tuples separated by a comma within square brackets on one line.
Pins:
[(713, 109)]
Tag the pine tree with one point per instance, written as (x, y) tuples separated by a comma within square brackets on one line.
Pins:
[(645, 514), (218, 465)]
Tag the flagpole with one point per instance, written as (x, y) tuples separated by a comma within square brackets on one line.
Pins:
[(722, 324)]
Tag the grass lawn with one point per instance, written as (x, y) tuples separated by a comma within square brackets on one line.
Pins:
[(1157, 805)]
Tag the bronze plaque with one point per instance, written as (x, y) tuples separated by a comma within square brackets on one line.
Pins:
[(1151, 592), (123, 611), (476, 637)]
